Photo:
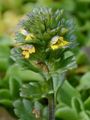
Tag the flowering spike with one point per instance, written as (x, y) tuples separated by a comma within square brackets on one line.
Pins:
[(44, 29)]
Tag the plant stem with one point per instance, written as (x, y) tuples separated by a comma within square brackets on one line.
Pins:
[(51, 107), (51, 102)]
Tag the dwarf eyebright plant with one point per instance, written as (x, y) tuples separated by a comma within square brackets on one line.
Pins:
[(44, 43)]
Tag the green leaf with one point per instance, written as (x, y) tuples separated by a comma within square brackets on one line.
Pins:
[(4, 94), (6, 102), (5, 98), (24, 75), (66, 113), (66, 93), (84, 116), (87, 103), (4, 64), (58, 80), (67, 62), (12, 71), (23, 109), (27, 75), (4, 53), (81, 58), (28, 65), (70, 60), (84, 82), (32, 90), (77, 104), (14, 86)]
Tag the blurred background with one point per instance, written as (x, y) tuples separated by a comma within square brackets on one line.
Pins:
[(11, 11)]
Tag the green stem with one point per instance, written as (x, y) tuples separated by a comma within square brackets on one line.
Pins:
[(51, 102), (51, 107)]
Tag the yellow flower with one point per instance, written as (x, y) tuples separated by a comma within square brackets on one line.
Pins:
[(28, 36), (58, 42), (27, 50), (26, 54)]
